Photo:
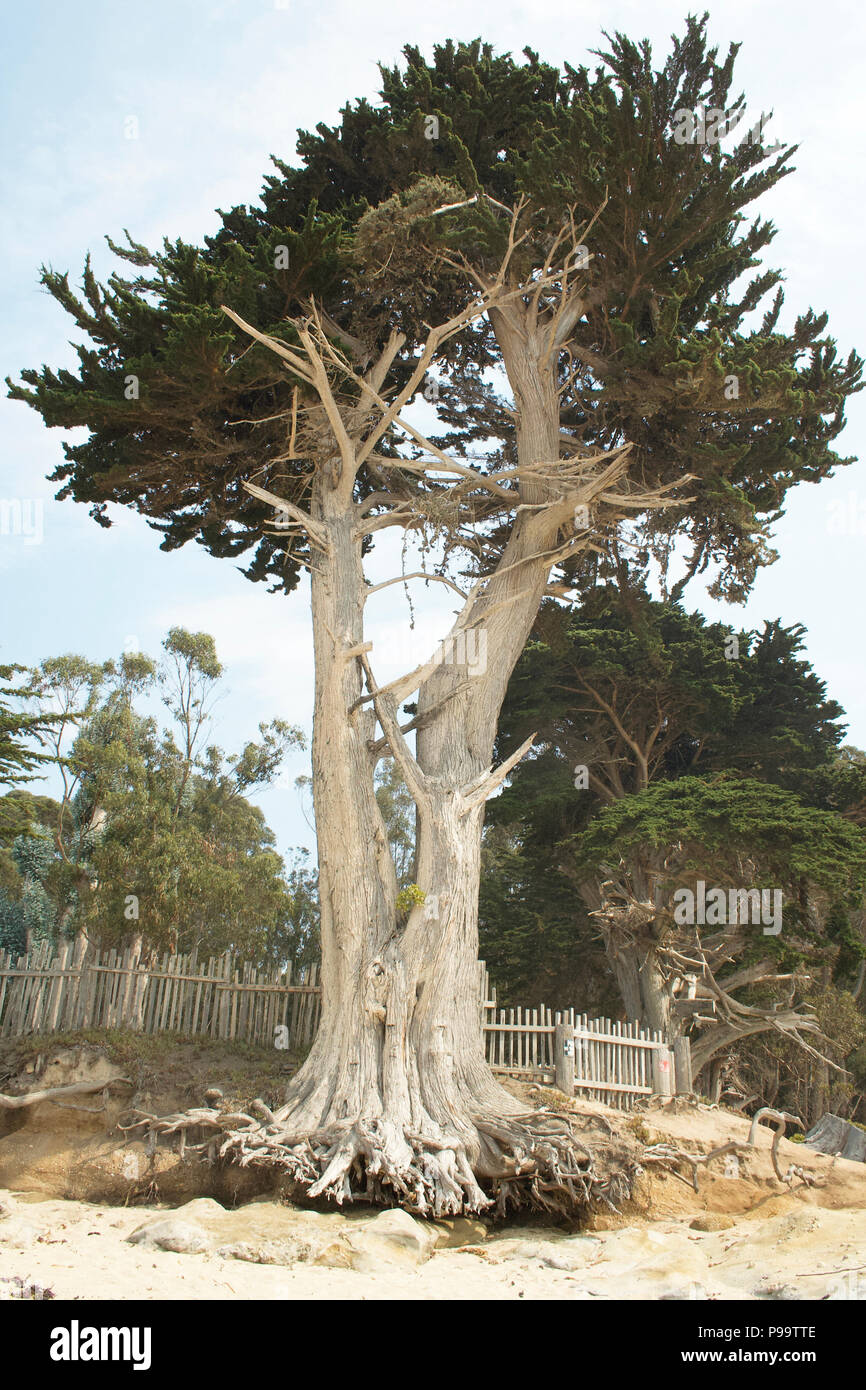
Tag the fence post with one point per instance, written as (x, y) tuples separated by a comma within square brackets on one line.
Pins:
[(563, 1057), (683, 1066), (663, 1081)]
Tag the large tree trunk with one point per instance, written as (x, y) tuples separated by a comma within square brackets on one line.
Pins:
[(395, 1099), (395, 1102), (459, 704), (643, 986)]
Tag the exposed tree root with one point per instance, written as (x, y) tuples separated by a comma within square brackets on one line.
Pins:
[(58, 1094), (668, 1155), (533, 1160)]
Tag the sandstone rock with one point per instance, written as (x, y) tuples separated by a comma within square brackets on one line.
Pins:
[(336, 1255), (167, 1233), (711, 1221), (68, 1162), (552, 1254), (455, 1231), (393, 1237), (256, 1223), (272, 1252), (199, 1209)]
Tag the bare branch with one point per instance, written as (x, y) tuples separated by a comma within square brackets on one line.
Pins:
[(479, 791), (296, 362), (317, 533), (416, 574), (386, 714)]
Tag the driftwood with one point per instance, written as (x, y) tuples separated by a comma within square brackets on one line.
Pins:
[(667, 1155), (60, 1093)]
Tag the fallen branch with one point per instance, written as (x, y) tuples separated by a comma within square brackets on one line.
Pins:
[(80, 1088), (667, 1154)]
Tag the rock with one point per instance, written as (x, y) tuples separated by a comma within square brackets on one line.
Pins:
[(393, 1237), (711, 1221), (336, 1255), (62, 1160), (167, 1233), (552, 1254), (19, 1233), (272, 1252), (455, 1231), (7, 1204), (199, 1209)]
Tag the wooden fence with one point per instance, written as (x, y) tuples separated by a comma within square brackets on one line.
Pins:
[(612, 1062), (616, 1063), (45, 992)]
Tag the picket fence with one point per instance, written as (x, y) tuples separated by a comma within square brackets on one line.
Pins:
[(615, 1063), (72, 989), (44, 992)]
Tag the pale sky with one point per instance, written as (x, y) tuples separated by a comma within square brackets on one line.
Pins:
[(213, 89)]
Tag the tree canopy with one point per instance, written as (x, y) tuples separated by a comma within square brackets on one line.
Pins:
[(670, 353), (153, 834)]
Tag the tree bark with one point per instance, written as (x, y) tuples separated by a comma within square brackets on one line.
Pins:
[(395, 1100), (395, 1103)]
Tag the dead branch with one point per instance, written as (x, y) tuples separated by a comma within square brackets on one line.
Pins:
[(80, 1088), (416, 574), (386, 713), (483, 787), (317, 534)]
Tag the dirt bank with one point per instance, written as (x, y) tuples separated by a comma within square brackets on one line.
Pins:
[(76, 1191)]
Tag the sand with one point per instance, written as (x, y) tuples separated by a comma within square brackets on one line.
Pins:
[(770, 1240), (81, 1252)]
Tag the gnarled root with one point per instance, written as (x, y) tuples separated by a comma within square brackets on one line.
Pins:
[(668, 1155), (533, 1160)]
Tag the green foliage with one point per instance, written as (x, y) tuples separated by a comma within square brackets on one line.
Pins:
[(718, 768), (409, 897), (534, 931), (706, 828), (29, 915), (154, 833), (22, 734), (634, 689), (20, 810), (672, 292), (293, 937)]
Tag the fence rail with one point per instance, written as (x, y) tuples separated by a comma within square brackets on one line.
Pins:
[(45, 992), (611, 1062), (615, 1063)]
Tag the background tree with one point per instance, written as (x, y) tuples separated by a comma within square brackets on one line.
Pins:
[(293, 939), (630, 694), (153, 840), (731, 833), (398, 814)]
